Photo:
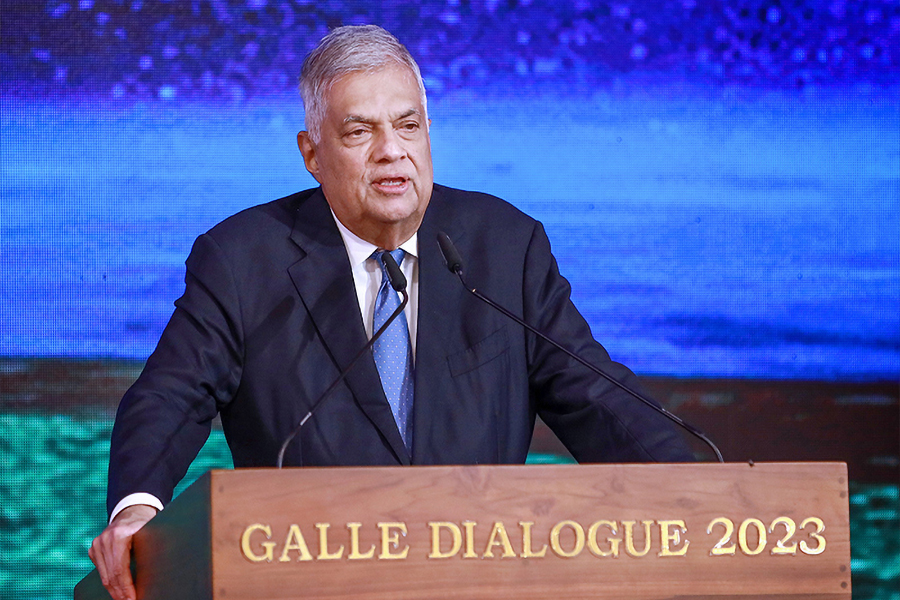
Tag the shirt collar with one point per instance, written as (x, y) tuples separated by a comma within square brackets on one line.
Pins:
[(359, 250)]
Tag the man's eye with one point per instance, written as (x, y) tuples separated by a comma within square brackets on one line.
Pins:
[(411, 126)]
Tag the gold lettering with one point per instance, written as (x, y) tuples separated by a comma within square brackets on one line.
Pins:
[(579, 539), (245, 543), (613, 542), (761, 538), (720, 549), (470, 539), (294, 533), (323, 544), (455, 532), (668, 538), (499, 531), (526, 542), (629, 538), (816, 535), (389, 540), (790, 528), (355, 554)]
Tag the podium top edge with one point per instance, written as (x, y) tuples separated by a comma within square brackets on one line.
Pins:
[(748, 465)]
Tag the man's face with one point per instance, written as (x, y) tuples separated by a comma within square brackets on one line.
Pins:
[(374, 158)]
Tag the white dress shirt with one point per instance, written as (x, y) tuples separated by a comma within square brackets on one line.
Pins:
[(367, 277), (367, 281)]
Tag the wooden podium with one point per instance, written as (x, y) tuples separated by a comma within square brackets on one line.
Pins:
[(770, 530)]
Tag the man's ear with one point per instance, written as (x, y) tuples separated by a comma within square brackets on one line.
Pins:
[(308, 150)]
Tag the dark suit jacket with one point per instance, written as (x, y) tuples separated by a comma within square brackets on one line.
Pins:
[(269, 318)]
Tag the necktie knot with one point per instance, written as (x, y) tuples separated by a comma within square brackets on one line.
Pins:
[(398, 255)]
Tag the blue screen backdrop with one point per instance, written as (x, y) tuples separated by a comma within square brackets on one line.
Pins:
[(720, 181)]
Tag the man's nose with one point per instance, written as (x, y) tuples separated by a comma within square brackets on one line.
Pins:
[(389, 146)]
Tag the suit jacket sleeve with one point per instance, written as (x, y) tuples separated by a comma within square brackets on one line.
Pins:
[(597, 421), (165, 417)]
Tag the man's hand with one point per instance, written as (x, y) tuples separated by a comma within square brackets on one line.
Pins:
[(111, 550)]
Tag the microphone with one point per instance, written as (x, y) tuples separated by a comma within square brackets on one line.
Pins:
[(395, 275), (451, 256), (398, 282), (454, 265)]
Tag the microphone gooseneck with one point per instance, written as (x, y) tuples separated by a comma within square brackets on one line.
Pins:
[(454, 265), (398, 282)]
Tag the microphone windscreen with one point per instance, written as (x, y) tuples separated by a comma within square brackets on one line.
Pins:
[(451, 256), (398, 280)]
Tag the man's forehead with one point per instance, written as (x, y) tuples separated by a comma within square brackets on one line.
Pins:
[(361, 88)]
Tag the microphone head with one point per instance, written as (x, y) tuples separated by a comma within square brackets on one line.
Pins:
[(398, 280), (451, 256)]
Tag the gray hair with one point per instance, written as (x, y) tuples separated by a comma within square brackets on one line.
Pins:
[(349, 49)]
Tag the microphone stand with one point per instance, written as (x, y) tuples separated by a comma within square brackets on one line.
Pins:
[(398, 282)]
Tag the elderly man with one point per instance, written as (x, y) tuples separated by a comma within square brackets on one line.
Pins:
[(280, 298)]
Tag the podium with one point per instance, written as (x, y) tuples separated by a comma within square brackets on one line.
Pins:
[(702, 531)]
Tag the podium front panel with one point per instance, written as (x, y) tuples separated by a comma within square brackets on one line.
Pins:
[(773, 530)]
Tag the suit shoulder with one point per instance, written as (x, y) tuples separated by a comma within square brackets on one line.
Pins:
[(275, 218), (479, 206)]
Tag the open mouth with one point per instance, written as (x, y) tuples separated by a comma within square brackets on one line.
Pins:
[(391, 184)]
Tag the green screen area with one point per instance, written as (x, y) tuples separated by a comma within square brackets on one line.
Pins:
[(53, 489)]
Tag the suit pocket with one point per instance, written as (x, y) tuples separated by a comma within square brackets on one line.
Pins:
[(483, 352)]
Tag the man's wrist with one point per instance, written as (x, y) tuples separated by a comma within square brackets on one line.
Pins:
[(135, 499)]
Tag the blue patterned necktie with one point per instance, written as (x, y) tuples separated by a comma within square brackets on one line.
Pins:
[(393, 352)]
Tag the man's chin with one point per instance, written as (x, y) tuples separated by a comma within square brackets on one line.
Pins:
[(396, 209)]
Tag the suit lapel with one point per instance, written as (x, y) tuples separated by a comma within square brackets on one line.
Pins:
[(440, 295), (325, 284)]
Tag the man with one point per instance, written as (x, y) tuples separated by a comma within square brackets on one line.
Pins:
[(280, 297)]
